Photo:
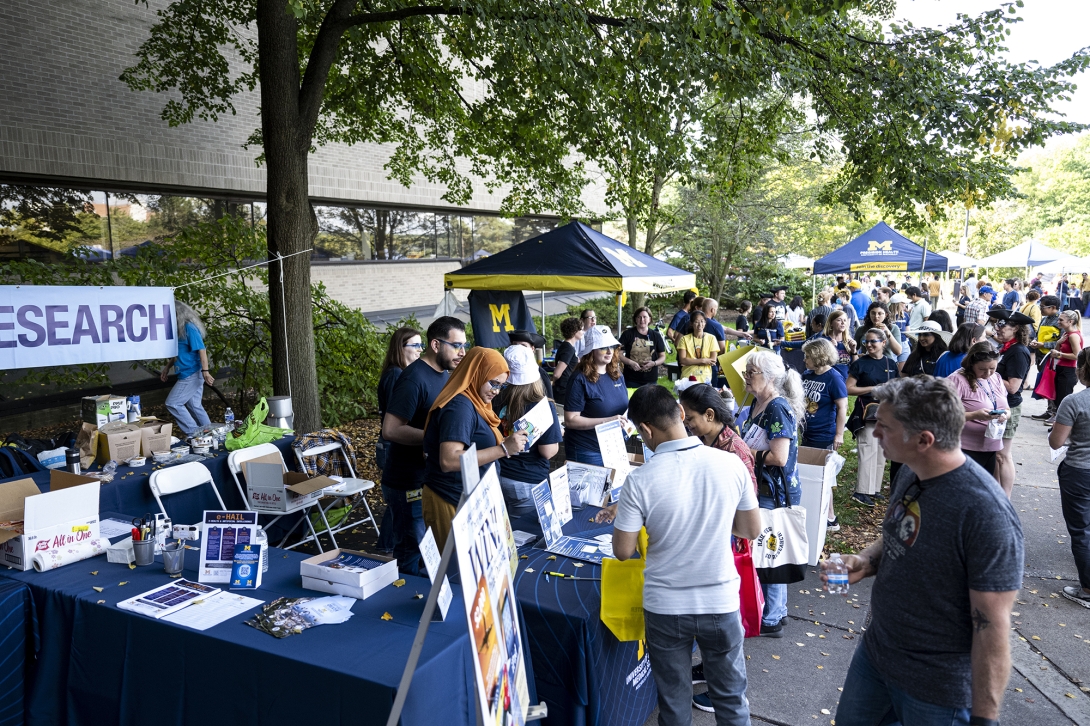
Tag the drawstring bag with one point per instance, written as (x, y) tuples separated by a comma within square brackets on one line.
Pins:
[(622, 594), (253, 430)]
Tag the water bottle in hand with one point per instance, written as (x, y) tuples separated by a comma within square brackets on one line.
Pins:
[(836, 574), (229, 419)]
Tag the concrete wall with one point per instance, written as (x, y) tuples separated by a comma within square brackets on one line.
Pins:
[(387, 285), (65, 115)]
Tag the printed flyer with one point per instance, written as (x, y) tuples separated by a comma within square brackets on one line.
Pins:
[(222, 531)]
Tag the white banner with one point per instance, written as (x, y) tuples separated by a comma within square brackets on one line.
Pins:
[(55, 326)]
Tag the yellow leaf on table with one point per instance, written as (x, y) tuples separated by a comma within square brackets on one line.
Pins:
[(94, 572), (101, 601), (126, 582), (132, 566), (418, 596), (529, 569), (524, 557), (1035, 637), (387, 616), (551, 557), (578, 564), (775, 657), (399, 583), (97, 589)]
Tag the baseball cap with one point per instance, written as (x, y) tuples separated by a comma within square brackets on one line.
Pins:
[(986, 290), (854, 284)]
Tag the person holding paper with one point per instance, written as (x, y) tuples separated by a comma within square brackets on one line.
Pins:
[(518, 409), (461, 416), (597, 395)]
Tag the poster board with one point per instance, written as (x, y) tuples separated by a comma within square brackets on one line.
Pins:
[(486, 560), (222, 531)]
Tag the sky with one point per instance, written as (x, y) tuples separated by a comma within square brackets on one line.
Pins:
[(1050, 31)]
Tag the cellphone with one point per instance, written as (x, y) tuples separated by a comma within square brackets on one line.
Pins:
[(996, 412)]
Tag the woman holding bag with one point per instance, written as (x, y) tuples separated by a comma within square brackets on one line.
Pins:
[(771, 432), (1064, 356)]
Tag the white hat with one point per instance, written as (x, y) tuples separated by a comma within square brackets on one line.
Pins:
[(523, 365), (598, 337), (929, 326), (899, 297)]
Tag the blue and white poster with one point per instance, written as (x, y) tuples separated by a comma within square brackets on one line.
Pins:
[(54, 326), (495, 313)]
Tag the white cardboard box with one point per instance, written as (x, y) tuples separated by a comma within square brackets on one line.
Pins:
[(360, 585), (271, 489), (817, 477), (51, 519)]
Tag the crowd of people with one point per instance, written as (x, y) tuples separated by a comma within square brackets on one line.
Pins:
[(939, 399)]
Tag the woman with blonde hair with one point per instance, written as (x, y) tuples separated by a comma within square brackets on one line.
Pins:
[(836, 332)]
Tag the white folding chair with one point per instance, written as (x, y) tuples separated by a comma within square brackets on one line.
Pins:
[(180, 478), (353, 486), (235, 462)]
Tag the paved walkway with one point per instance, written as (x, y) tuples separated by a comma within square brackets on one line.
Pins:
[(796, 680)]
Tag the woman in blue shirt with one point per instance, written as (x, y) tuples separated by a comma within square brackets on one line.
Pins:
[(964, 337), (191, 365), (596, 395)]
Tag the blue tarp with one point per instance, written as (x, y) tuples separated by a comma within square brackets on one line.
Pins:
[(879, 249)]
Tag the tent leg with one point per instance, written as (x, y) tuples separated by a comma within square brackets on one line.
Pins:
[(543, 319), (619, 312)]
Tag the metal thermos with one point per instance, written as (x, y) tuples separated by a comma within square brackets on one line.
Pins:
[(71, 461)]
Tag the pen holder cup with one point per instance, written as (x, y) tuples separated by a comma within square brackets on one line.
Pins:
[(173, 558), (144, 551)]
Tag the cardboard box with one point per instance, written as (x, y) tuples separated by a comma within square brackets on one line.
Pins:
[(271, 489), (101, 410), (154, 435), (50, 520), (360, 585), (817, 477), (117, 441)]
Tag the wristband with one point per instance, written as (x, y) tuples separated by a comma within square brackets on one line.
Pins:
[(981, 721), (204, 370), (505, 451)]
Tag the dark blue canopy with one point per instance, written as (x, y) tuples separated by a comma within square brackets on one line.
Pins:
[(879, 249)]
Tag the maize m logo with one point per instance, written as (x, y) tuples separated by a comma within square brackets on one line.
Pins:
[(875, 246), (501, 314)]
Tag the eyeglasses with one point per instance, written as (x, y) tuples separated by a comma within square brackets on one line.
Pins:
[(417, 346), (456, 346), (873, 341), (750, 374), (497, 386)]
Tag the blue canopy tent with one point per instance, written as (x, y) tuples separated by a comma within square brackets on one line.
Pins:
[(572, 258), (880, 249)]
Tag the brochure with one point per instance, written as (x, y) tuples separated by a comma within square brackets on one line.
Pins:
[(169, 598), (536, 422), (352, 563), (559, 487), (246, 570), (222, 531), (614, 453), (556, 541)]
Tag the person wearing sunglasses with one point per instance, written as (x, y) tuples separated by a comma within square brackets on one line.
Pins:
[(403, 426), (588, 319), (597, 395), (867, 372), (461, 416)]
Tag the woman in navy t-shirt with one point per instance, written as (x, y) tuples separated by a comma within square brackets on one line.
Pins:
[(597, 395), (826, 404)]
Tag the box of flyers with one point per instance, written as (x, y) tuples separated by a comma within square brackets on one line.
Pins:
[(348, 572)]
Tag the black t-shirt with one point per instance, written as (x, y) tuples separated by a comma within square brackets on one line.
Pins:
[(414, 393), (871, 372), (457, 421), (1015, 363), (565, 353), (546, 383), (960, 534), (742, 324), (385, 392), (641, 348)]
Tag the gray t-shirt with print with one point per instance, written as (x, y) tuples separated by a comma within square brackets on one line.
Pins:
[(958, 533), (1074, 411)]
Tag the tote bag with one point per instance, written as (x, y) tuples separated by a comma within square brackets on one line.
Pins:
[(750, 595), (1046, 386), (622, 594), (781, 551)]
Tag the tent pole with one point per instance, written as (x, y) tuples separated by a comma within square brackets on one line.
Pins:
[(543, 321), (619, 306)]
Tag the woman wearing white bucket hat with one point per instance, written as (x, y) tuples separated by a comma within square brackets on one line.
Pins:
[(596, 395), (525, 389), (929, 342)]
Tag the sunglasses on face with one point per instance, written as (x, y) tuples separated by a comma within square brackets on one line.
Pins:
[(456, 346), (496, 385), (872, 341), (416, 346)]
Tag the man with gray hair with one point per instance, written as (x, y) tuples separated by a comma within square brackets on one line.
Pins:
[(947, 569)]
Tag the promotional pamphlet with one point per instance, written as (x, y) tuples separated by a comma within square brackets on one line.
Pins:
[(556, 541), (536, 422), (246, 570), (222, 531)]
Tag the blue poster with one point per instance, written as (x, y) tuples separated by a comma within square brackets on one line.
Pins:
[(495, 313)]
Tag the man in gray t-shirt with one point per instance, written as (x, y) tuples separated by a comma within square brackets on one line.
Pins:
[(947, 570)]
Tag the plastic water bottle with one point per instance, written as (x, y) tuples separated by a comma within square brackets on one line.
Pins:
[(836, 573), (229, 419)]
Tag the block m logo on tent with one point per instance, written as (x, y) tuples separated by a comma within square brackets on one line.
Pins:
[(623, 257), (501, 314), (875, 246)]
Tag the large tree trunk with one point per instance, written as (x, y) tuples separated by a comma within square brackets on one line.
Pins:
[(292, 225)]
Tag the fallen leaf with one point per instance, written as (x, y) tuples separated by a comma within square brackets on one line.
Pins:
[(1035, 637), (821, 668), (821, 637), (551, 557), (775, 657), (399, 582), (810, 635), (529, 569), (101, 601), (97, 589), (1063, 625), (826, 711), (387, 616), (1018, 689), (94, 572), (800, 645), (175, 576), (132, 566), (126, 582), (825, 654), (578, 564), (524, 557), (1070, 695), (418, 596)]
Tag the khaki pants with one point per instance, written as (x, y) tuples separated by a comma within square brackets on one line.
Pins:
[(438, 513), (872, 462)]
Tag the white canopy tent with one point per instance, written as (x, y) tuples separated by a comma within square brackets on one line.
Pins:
[(958, 261), (1068, 264), (797, 262), (1030, 253)]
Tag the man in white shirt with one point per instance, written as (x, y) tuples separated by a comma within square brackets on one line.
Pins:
[(921, 309), (969, 286), (683, 496)]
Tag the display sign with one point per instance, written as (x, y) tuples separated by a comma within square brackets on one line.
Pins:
[(222, 531), (44, 325), (495, 313), (486, 560)]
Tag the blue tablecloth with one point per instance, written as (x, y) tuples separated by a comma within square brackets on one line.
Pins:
[(18, 644), (130, 494), (99, 665), (585, 675)]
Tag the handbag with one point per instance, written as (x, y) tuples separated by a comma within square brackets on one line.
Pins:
[(622, 594), (1046, 384), (751, 597), (781, 551)]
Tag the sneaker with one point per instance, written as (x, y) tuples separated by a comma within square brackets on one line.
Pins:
[(698, 674), (1051, 421), (1042, 416), (783, 622), (1074, 594), (704, 702), (833, 525), (864, 499), (772, 631)]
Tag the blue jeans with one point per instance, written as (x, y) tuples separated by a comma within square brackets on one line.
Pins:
[(670, 646), (775, 604), (583, 455), (184, 403), (869, 700), (408, 528)]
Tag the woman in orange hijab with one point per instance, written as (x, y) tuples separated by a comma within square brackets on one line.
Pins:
[(462, 415)]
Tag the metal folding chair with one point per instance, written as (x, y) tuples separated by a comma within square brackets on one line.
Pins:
[(235, 461), (353, 486), (181, 478)]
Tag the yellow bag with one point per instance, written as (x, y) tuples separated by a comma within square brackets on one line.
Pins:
[(1048, 334), (622, 594)]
